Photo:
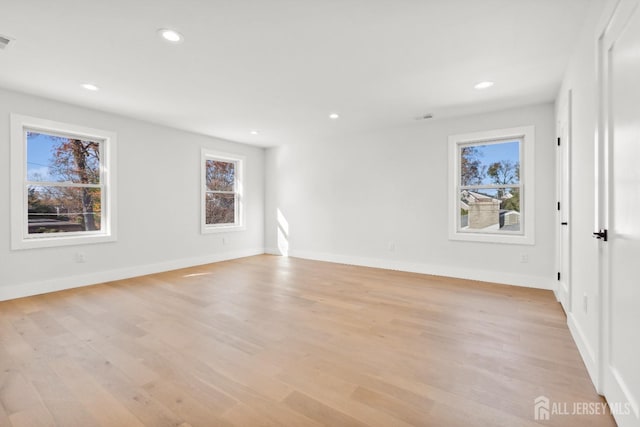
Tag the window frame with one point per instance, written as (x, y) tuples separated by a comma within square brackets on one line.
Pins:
[(20, 237), (238, 160), (526, 136)]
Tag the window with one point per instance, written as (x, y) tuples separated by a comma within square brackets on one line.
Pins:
[(61, 184), (492, 186), (222, 202)]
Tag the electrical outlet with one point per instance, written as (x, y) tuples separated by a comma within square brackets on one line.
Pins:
[(80, 257), (224, 240), (585, 303), (391, 246), (524, 258)]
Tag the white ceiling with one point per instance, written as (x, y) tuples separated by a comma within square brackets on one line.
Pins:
[(281, 66)]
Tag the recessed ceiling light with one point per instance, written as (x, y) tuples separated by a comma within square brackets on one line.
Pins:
[(483, 85), (90, 86), (334, 116), (170, 35), (254, 132)]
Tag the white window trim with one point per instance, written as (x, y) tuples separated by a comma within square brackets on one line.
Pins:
[(527, 184), (239, 225), (20, 238)]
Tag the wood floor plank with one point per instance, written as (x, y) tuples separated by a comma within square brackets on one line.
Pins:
[(245, 415), (4, 417), (16, 394), (70, 414), (336, 393), (37, 416), (99, 402), (184, 404), (320, 412), (276, 341), (413, 415)]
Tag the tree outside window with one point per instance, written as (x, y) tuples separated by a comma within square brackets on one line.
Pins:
[(490, 187), (222, 201), (63, 184), (490, 170), (221, 195)]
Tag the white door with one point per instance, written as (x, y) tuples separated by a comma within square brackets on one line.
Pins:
[(563, 224), (620, 56)]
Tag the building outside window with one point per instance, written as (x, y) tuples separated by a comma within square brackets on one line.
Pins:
[(492, 186)]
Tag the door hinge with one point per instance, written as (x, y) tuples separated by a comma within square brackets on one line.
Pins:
[(558, 141), (558, 275)]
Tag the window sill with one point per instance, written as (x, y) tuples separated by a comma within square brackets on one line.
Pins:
[(518, 239), (208, 229), (51, 242)]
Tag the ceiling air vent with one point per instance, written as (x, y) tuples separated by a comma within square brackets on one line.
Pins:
[(425, 117), (4, 41)]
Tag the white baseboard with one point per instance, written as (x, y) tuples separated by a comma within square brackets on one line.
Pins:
[(586, 351), (436, 270), (41, 287), (618, 394), (625, 408)]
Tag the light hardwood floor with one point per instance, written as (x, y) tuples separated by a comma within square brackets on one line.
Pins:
[(272, 341)]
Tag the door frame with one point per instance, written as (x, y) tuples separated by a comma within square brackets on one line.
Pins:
[(563, 196)]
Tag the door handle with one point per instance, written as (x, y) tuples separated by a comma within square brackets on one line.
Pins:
[(602, 234), (564, 223)]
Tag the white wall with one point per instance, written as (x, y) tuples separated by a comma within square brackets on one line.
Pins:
[(580, 78), (158, 205), (348, 199)]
